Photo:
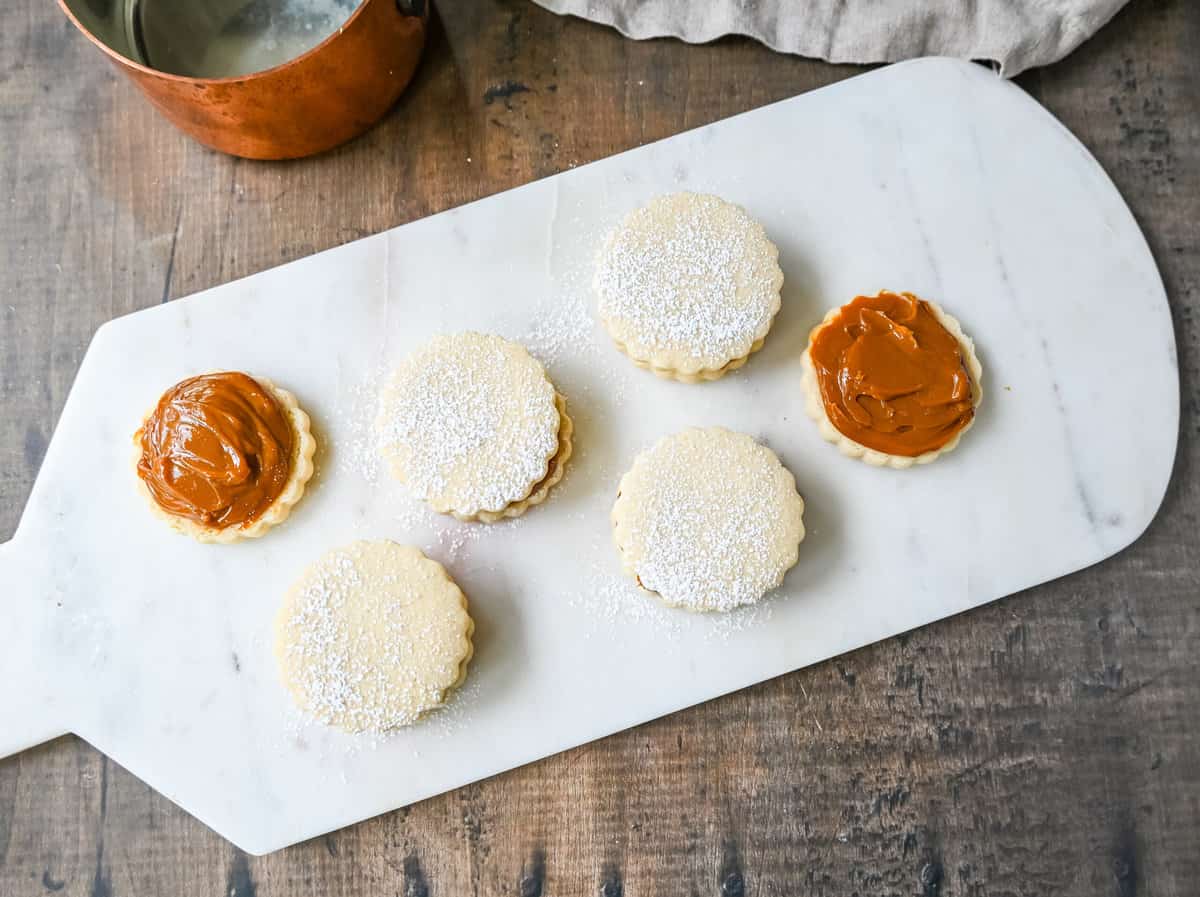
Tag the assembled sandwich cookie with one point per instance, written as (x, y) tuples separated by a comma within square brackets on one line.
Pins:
[(688, 286), (372, 636), (471, 424), (708, 520)]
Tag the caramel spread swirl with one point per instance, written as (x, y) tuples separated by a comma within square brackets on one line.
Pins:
[(891, 376), (217, 449)]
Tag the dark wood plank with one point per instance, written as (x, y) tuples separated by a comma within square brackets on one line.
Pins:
[(1045, 744)]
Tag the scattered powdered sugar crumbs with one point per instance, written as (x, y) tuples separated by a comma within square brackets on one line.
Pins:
[(564, 329), (453, 538), (609, 600), (358, 451), (560, 329)]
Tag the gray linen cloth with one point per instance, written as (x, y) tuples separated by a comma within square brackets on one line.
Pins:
[(1014, 34)]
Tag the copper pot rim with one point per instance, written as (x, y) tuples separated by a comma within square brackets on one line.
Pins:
[(122, 59)]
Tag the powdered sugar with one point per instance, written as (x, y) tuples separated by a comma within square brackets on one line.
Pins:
[(453, 539), (358, 451), (564, 333), (324, 678), (561, 330), (449, 411), (612, 601)]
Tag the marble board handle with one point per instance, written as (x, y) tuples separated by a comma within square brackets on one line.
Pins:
[(29, 711)]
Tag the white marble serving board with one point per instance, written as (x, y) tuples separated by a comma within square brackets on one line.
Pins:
[(933, 176)]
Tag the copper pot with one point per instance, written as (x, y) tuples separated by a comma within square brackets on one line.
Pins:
[(322, 97)]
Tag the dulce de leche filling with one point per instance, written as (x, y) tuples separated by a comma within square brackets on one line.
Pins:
[(217, 450), (891, 376)]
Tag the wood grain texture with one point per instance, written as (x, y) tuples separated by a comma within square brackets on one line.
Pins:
[(1046, 744)]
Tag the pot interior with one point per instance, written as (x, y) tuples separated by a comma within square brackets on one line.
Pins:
[(212, 38)]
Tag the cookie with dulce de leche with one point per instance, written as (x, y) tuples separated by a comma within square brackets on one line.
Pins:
[(891, 379), (224, 456)]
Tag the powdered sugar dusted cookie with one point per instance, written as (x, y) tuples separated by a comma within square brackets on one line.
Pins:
[(708, 520), (688, 286), (472, 424), (372, 636)]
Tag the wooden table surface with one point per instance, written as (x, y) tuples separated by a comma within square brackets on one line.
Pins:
[(1046, 744)]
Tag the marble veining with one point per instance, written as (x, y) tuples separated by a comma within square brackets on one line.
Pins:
[(935, 176)]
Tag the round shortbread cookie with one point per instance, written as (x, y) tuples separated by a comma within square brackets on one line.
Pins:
[(470, 423), (815, 406), (372, 636), (708, 520), (688, 286)]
